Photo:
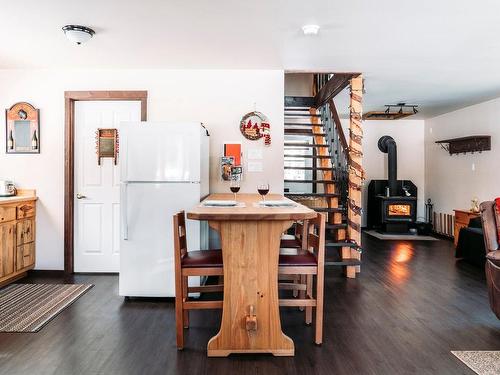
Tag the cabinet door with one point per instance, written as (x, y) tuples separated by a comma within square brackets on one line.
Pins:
[(7, 240), (25, 231), (25, 256)]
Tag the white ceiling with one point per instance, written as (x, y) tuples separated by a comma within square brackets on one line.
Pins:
[(440, 54)]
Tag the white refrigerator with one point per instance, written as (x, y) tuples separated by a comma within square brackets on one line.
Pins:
[(164, 169)]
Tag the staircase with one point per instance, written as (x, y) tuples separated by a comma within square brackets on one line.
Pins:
[(316, 174)]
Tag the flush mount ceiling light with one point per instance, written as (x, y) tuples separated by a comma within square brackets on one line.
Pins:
[(310, 29), (78, 34)]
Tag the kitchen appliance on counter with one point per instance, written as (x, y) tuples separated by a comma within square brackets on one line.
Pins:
[(164, 169), (7, 188)]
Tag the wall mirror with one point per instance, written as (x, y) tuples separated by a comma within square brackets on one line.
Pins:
[(22, 129)]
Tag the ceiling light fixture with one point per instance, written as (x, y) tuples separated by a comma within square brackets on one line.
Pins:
[(401, 112), (310, 29), (78, 34), (390, 115)]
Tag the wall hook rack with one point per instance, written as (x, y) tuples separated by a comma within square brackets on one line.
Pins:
[(463, 145)]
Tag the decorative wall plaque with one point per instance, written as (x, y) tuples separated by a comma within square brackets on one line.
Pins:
[(231, 162), (107, 144), (22, 129), (255, 125)]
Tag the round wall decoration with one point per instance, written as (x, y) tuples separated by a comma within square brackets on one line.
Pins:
[(255, 125)]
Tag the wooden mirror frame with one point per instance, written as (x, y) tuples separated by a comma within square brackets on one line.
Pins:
[(32, 117), (70, 97)]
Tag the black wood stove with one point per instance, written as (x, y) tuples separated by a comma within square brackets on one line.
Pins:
[(392, 203)]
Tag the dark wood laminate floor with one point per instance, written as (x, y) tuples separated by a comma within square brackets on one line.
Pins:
[(410, 306)]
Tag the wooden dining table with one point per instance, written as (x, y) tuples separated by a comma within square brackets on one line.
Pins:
[(250, 239)]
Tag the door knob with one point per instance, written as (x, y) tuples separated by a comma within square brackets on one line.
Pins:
[(79, 196)]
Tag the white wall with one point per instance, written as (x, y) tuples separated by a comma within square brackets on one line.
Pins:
[(218, 98), (451, 181), (409, 137), (298, 84)]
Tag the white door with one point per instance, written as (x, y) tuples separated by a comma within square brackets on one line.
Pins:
[(97, 188)]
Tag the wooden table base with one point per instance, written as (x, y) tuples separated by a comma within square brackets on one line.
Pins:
[(250, 318)]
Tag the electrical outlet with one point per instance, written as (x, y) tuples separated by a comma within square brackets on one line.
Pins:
[(473, 167)]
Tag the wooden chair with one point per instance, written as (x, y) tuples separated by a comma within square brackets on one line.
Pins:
[(308, 263), (288, 246), (294, 241), (192, 263)]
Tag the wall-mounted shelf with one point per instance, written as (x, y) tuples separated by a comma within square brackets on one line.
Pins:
[(473, 143)]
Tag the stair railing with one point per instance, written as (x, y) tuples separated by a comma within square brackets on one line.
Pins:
[(337, 145)]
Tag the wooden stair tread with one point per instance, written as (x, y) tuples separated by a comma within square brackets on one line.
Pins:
[(301, 115), (310, 168), (288, 144), (299, 101), (303, 132), (302, 109), (306, 124), (307, 156), (311, 181), (297, 148)]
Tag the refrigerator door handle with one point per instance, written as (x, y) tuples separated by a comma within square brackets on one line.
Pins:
[(123, 209)]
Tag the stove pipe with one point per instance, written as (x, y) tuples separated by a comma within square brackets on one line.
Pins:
[(387, 145)]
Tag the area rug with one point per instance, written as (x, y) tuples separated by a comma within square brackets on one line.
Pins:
[(481, 362), (406, 237), (28, 307)]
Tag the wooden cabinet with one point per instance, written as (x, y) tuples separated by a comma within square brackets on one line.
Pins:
[(25, 244), (25, 256), (25, 231), (26, 209), (7, 213), (7, 246), (17, 237), (462, 218)]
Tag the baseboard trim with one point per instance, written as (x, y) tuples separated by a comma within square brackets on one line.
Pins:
[(47, 273), (442, 236)]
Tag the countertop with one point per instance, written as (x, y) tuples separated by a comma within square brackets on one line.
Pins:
[(22, 196)]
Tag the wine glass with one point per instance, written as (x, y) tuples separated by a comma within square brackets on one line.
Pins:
[(263, 189), (234, 186)]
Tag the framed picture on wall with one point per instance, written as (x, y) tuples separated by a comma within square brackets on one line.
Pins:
[(22, 129), (226, 166)]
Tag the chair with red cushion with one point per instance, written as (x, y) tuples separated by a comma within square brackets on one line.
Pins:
[(192, 263), (289, 245), (294, 241), (309, 262)]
